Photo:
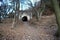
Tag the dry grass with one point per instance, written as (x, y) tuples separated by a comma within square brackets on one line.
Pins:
[(32, 30)]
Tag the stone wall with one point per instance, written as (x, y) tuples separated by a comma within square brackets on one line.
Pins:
[(28, 14)]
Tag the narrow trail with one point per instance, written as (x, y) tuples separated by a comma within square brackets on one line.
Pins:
[(29, 33), (35, 33), (45, 30)]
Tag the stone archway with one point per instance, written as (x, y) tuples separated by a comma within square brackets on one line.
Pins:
[(24, 19)]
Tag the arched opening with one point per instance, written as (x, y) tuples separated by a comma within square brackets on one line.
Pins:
[(24, 19)]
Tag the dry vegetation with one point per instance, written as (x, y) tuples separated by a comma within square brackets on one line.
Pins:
[(32, 30)]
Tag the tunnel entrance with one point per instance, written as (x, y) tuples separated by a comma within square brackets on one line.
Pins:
[(25, 19)]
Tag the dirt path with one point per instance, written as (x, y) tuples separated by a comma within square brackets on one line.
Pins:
[(44, 30), (29, 32)]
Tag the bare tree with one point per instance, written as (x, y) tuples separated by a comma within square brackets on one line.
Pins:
[(16, 5), (37, 12)]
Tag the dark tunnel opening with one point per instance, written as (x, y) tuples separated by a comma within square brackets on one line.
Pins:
[(24, 19)]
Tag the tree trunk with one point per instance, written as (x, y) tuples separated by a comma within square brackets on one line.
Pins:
[(0, 17), (57, 14)]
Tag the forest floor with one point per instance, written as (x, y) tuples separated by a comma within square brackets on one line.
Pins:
[(33, 30)]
